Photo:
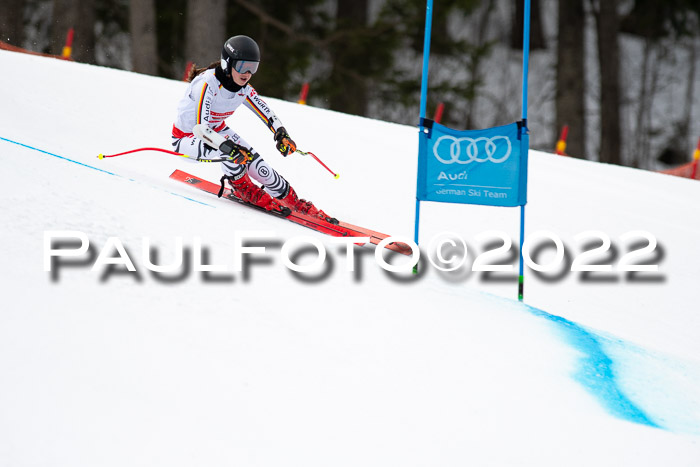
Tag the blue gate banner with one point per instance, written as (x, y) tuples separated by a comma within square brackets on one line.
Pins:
[(487, 167)]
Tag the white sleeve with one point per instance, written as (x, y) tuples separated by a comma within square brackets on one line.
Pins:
[(261, 109), (204, 96)]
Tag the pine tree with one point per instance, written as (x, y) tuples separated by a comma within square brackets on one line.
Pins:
[(607, 22), (350, 58), (571, 75), (12, 21), (142, 26), (205, 32)]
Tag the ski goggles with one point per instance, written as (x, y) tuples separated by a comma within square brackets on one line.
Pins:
[(245, 66), (241, 66)]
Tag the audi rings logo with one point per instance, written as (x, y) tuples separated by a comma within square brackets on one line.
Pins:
[(466, 150)]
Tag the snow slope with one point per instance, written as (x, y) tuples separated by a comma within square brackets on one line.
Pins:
[(266, 367)]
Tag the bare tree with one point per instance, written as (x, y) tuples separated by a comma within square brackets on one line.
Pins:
[(79, 15), (142, 24), (607, 22), (206, 30), (351, 88), (571, 75), (689, 90), (12, 21), (475, 60), (641, 145)]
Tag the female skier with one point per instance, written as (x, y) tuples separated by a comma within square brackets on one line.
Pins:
[(213, 95)]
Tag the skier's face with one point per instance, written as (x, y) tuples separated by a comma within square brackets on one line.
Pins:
[(241, 79)]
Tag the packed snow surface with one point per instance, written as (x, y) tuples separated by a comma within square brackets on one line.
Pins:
[(347, 364)]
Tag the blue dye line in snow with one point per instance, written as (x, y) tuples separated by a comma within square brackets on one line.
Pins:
[(93, 167), (596, 372), (56, 155)]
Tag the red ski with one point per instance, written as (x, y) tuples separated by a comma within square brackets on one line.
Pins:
[(376, 237), (341, 229)]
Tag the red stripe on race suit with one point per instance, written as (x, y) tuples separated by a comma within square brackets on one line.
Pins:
[(178, 133)]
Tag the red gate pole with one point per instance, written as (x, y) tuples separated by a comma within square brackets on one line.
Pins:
[(561, 144), (304, 93), (68, 48), (696, 157)]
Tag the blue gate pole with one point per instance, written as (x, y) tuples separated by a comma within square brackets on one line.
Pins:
[(526, 59), (423, 101), (426, 59), (526, 56)]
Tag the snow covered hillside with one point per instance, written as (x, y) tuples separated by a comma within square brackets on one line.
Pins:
[(100, 366)]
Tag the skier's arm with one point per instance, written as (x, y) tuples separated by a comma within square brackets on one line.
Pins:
[(204, 97), (261, 109), (284, 143)]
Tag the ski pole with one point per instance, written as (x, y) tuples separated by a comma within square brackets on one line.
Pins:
[(335, 175), (218, 159)]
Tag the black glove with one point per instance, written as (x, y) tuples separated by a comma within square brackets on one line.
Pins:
[(285, 144), (238, 153)]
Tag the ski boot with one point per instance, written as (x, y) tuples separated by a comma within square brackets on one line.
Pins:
[(293, 202), (245, 190)]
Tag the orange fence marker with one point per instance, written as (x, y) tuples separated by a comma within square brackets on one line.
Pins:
[(12, 48), (689, 169)]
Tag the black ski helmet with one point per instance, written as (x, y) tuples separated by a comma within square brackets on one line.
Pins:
[(239, 48)]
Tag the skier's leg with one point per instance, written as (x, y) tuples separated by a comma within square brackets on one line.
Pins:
[(236, 174), (194, 147), (258, 169), (273, 182), (277, 191), (278, 187)]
